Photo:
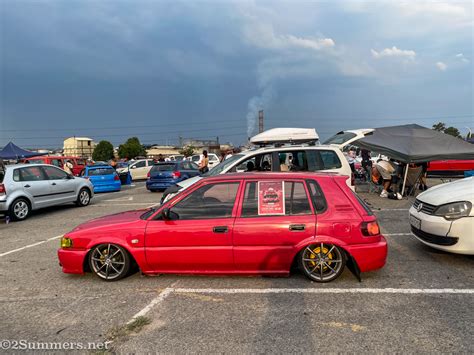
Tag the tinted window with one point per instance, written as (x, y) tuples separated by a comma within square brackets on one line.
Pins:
[(33, 173), (54, 173), (210, 201), (323, 160), (163, 167), (293, 161), (317, 197), (35, 161), (140, 164), (219, 168), (296, 200), (340, 138), (56, 162), (260, 162), (101, 171)]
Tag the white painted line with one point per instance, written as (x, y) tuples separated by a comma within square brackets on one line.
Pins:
[(157, 300), (323, 290), (395, 234), (30, 246)]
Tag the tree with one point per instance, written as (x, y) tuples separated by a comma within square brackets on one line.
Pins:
[(452, 131), (131, 149), (187, 150), (103, 151)]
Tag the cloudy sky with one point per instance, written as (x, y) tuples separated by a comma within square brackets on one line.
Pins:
[(163, 69)]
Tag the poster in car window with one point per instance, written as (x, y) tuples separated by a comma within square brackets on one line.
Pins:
[(271, 198)]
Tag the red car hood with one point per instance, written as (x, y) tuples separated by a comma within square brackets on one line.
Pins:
[(113, 219)]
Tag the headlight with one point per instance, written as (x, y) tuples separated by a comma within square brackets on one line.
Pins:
[(454, 210), (66, 242)]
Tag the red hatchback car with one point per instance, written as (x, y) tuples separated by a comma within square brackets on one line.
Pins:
[(224, 225)]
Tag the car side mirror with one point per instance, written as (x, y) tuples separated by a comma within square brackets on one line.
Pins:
[(166, 213), (133, 167)]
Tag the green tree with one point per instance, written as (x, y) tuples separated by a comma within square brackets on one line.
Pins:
[(187, 150), (452, 131), (131, 148), (440, 127), (103, 151)]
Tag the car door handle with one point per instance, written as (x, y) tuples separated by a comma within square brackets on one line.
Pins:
[(27, 186), (53, 183), (297, 227), (220, 229)]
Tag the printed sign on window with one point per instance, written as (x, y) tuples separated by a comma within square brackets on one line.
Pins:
[(271, 198)]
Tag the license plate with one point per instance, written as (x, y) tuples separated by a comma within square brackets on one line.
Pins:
[(415, 222)]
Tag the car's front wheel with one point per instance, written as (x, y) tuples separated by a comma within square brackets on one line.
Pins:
[(110, 262), (84, 197), (19, 209), (322, 262)]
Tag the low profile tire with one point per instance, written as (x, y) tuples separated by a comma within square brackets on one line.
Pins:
[(110, 262), (84, 197), (19, 210), (322, 262)]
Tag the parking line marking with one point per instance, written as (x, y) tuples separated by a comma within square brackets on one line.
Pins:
[(324, 290), (30, 246)]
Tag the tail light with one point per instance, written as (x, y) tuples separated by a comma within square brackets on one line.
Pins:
[(2, 190), (148, 175), (116, 177), (370, 229), (176, 174)]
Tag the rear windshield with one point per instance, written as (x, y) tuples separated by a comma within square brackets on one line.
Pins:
[(101, 171), (340, 138), (164, 167)]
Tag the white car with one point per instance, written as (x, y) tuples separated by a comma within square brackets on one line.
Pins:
[(213, 159), (344, 139), (443, 218), (139, 169)]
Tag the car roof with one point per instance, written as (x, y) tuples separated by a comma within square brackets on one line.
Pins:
[(289, 147), (98, 166), (273, 175)]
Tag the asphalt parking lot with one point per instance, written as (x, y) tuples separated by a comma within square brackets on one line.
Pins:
[(421, 301)]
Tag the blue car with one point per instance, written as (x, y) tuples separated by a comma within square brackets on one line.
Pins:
[(164, 175), (104, 178)]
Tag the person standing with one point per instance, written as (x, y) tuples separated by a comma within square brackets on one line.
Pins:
[(68, 167), (204, 163)]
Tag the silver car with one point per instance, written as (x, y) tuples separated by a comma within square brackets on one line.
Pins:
[(27, 187)]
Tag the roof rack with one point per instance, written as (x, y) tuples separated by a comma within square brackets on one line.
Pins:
[(286, 136)]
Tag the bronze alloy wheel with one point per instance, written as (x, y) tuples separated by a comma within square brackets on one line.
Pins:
[(322, 262)]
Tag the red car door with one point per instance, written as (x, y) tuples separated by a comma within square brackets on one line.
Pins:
[(197, 234), (264, 241)]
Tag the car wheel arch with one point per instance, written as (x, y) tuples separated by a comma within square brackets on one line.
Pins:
[(85, 262)]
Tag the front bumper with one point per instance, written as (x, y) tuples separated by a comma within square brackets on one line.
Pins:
[(72, 261), (455, 236), (371, 256)]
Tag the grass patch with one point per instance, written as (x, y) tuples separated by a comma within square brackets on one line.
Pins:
[(138, 324)]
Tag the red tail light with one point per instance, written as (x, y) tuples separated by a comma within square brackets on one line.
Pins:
[(176, 174), (148, 175), (116, 177), (2, 189), (370, 228)]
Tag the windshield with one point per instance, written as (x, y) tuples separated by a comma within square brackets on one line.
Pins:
[(164, 167), (340, 138), (219, 168)]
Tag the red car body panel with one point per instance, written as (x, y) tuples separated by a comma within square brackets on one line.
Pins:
[(251, 245), (78, 164), (450, 166)]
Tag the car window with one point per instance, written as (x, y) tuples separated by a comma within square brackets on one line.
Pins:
[(293, 198), (16, 175), (33, 173), (259, 162), (340, 138), (35, 161), (213, 158), (209, 201), (101, 171), (80, 162), (293, 160), (194, 166), (150, 162), (323, 160), (223, 165), (163, 167), (317, 196), (140, 164), (54, 173), (56, 162)]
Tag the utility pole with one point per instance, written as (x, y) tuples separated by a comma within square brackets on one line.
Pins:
[(260, 121)]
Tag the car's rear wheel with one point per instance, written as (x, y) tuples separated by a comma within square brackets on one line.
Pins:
[(84, 197), (322, 262), (110, 262), (19, 209)]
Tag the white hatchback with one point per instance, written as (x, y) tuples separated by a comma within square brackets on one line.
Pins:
[(443, 217)]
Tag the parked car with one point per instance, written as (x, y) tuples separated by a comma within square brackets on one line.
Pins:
[(138, 169), (443, 218), (78, 164), (27, 187), (221, 225), (344, 139), (449, 167), (104, 178), (213, 159), (178, 157), (163, 175)]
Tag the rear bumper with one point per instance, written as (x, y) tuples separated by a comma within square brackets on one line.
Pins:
[(108, 188), (157, 185), (3, 206), (370, 256), (72, 261)]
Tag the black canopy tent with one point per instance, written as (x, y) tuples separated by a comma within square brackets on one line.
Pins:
[(12, 151), (416, 144)]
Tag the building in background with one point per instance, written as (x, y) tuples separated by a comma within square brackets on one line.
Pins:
[(165, 150), (79, 147)]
